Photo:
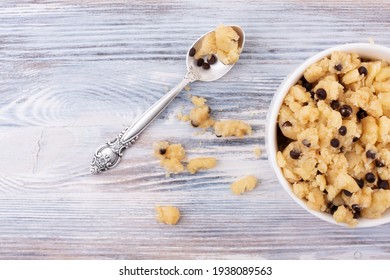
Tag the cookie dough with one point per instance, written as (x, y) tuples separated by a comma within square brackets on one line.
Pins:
[(257, 152), (223, 42), (245, 184), (200, 115), (171, 156), (232, 128), (169, 215), (196, 164), (335, 130)]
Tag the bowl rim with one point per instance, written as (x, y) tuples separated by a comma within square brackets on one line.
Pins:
[(366, 50)]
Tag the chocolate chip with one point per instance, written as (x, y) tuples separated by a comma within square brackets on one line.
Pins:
[(306, 143), (335, 143), (355, 207), (312, 93), (356, 211), (194, 124), (345, 111), (321, 94), (325, 191), (219, 136), (347, 193), (212, 59), (319, 172), (295, 154), (355, 139), (359, 182), (308, 86), (378, 163), (361, 114), (162, 151), (305, 104), (338, 67), (382, 184), (287, 124), (370, 154), (206, 66), (335, 104), (343, 130), (370, 177), (200, 62), (363, 70), (332, 209), (192, 52)]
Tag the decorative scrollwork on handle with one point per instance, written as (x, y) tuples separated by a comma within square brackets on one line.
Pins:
[(109, 155)]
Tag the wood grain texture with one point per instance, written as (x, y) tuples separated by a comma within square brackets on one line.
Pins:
[(75, 73)]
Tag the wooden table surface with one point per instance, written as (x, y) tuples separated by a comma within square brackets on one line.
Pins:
[(75, 73)]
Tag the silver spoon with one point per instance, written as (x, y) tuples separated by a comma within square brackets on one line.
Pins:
[(109, 155)]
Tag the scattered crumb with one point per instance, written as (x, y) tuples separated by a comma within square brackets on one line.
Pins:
[(171, 156), (257, 152), (200, 115), (194, 165), (371, 41), (169, 215), (187, 88), (243, 185), (232, 128), (181, 117)]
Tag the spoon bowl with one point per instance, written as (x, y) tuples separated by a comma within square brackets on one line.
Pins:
[(218, 69), (109, 155)]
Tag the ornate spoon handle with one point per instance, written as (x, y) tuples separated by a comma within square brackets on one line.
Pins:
[(108, 155)]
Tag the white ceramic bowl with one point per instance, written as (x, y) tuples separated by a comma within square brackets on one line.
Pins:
[(370, 51)]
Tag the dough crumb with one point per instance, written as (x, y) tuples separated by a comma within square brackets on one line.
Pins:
[(187, 88), (169, 215), (196, 164), (232, 128), (257, 152), (200, 115), (245, 184), (170, 156)]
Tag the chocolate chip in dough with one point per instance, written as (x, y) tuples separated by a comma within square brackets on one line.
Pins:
[(363, 70), (338, 67), (370, 177), (347, 193), (308, 86), (382, 184), (295, 154), (335, 143), (343, 130), (378, 163), (359, 182), (361, 114), (335, 104), (321, 94), (345, 111), (370, 154)]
